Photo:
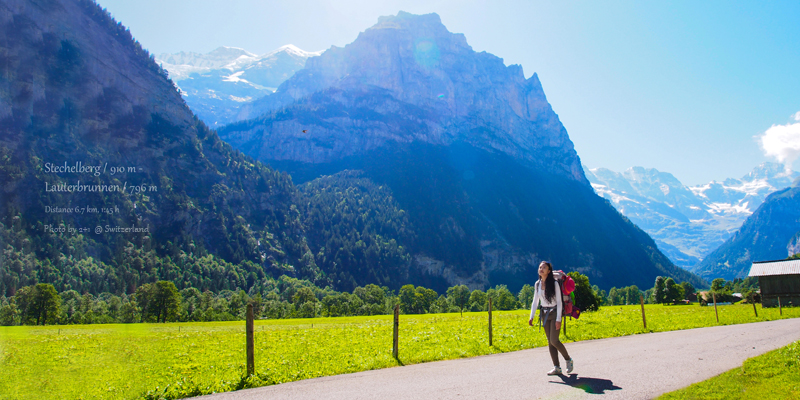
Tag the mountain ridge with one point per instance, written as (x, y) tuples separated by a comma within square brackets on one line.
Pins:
[(220, 85), (79, 88), (429, 69), (688, 222), (405, 94), (770, 233)]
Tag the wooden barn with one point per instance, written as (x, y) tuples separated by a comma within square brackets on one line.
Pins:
[(778, 279)]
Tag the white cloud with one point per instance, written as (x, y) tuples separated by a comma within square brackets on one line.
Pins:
[(782, 142)]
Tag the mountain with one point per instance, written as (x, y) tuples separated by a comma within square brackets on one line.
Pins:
[(688, 223), (408, 79), (220, 85), (771, 233), (109, 181), (486, 176)]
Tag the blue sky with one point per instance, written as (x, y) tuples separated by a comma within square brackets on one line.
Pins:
[(685, 87)]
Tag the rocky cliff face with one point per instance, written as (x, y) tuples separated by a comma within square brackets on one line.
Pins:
[(407, 79)]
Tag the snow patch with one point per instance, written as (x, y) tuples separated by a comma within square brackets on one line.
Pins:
[(235, 77), (607, 193), (292, 49), (240, 99), (725, 208)]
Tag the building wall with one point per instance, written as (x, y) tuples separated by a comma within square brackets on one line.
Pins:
[(785, 286)]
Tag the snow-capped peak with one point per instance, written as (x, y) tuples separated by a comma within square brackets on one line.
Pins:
[(231, 51), (292, 49), (692, 219)]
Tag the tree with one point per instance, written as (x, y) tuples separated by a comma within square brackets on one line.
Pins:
[(648, 296), (601, 294), (373, 298), (743, 285), (502, 298), (477, 300), (408, 298), (302, 296), (585, 298), (688, 289), (129, 312), (632, 295), (718, 285), (143, 296), (440, 305), (458, 296), (336, 305), (526, 295), (166, 304), (38, 304), (238, 303), (425, 298), (659, 291), (114, 305), (9, 314), (371, 294), (671, 292), (616, 296), (46, 304), (160, 300), (752, 296), (308, 309), (417, 300), (257, 304), (24, 300), (675, 291)]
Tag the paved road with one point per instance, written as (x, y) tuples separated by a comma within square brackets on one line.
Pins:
[(630, 367)]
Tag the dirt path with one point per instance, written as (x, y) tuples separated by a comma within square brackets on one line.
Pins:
[(630, 367)]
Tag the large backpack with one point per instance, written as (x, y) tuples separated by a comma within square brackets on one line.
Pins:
[(567, 287)]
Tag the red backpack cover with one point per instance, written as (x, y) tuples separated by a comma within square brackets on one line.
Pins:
[(567, 287)]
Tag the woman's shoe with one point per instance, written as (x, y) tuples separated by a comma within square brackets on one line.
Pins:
[(569, 365), (555, 371)]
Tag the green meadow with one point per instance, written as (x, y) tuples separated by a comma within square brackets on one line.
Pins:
[(774, 375), (176, 360)]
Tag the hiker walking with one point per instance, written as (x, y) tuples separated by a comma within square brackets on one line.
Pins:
[(548, 291)]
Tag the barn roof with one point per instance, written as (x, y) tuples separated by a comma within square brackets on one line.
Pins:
[(770, 268)]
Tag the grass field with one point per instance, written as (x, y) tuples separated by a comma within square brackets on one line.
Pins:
[(774, 375), (184, 359)]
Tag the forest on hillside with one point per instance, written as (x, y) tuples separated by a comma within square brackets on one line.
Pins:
[(287, 297)]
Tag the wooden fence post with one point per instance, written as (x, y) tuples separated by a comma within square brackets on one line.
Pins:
[(754, 308), (564, 324), (396, 329), (490, 321), (644, 321), (780, 309), (251, 368), (714, 296)]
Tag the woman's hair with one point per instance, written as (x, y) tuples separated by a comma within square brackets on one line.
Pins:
[(549, 283)]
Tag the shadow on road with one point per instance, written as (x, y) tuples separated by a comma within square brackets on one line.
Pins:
[(588, 385)]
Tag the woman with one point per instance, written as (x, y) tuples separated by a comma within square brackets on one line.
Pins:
[(548, 291)]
